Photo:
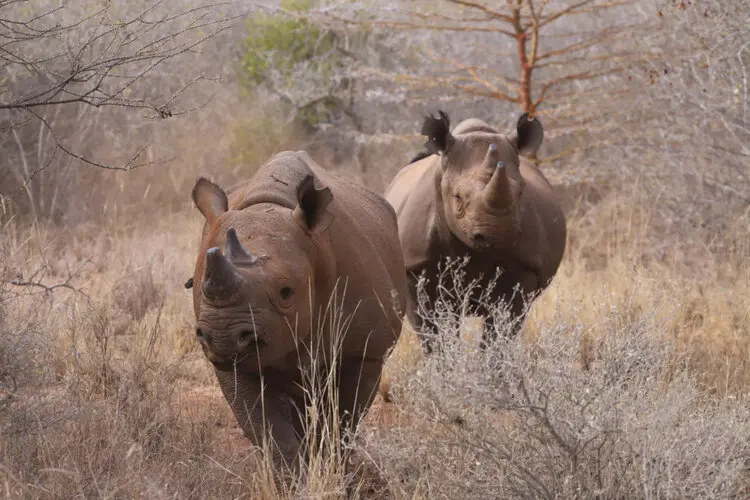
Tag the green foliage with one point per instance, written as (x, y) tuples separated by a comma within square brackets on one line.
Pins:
[(281, 49), (280, 42)]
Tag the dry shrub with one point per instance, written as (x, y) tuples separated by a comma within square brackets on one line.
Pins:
[(616, 248), (530, 419), (136, 293)]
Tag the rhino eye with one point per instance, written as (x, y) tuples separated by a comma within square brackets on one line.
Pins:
[(286, 293)]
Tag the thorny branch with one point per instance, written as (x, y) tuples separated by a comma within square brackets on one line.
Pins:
[(104, 67), (35, 284), (61, 55)]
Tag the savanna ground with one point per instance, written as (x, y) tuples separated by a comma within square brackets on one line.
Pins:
[(629, 380)]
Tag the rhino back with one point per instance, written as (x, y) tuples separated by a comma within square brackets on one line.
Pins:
[(473, 125), (404, 184)]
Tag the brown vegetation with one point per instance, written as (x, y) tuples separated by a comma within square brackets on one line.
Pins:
[(628, 380)]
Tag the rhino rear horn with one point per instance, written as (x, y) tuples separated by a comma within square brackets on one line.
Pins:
[(235, 252), (499, 192), (437, 130), (220, 280)]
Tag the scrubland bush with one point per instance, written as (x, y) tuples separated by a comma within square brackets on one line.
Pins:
[(612, 406)]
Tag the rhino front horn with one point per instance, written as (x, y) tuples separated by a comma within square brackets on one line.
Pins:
[(235, 252), (498, 191), (220, 281)]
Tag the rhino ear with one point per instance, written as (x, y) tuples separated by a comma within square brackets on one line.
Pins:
[(437, 130), (528, 136), (312, 205), (210, 199)]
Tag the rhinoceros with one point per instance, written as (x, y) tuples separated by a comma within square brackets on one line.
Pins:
[(472, 193), (297, 268)]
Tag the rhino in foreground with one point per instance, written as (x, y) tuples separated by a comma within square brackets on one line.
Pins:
[(472, 193), (297, 268)]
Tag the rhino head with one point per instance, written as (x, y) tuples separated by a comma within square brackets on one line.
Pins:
[(481, 182), (254, 280)]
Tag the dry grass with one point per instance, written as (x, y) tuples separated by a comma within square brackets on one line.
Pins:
[(629, 379)]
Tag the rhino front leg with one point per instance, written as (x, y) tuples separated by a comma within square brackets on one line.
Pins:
[(263, 413), (358, 384)]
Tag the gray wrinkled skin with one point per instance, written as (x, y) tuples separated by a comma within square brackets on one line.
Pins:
[(472, 193), (274, 251)]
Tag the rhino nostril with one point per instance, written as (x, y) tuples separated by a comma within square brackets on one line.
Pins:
[(245, 337), (479, 240)]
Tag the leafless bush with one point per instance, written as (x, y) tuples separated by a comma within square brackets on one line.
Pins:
[(137, 293), (69, 62), (530, 419)]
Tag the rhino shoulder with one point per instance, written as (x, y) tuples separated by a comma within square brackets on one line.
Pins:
[(410, 182), (420, 233)]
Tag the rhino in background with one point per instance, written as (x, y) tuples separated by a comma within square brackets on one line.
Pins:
[(472, 193), (275, 251)]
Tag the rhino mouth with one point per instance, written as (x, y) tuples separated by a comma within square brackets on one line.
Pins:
[(231, 364)]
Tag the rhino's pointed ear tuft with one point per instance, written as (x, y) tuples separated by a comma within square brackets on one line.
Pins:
[(312, 205), (528, 135), (210, 199), (437, 130)]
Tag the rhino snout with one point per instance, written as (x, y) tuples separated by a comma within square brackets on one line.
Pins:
[(220, 346)]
